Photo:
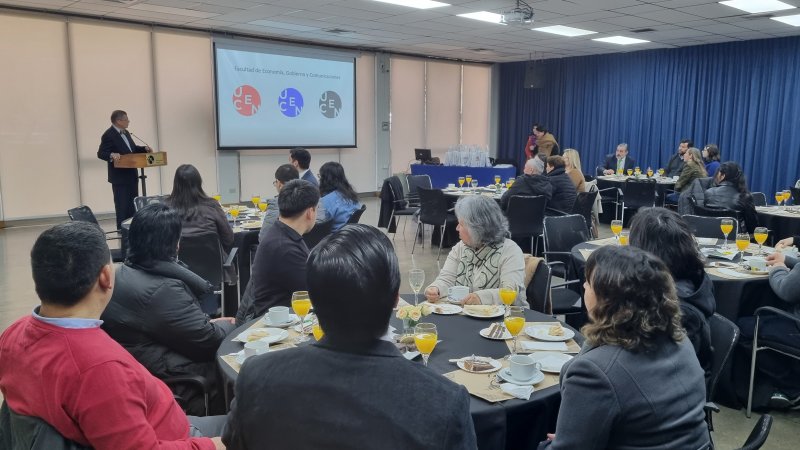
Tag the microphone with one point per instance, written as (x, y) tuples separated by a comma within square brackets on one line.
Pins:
[(140, 139)]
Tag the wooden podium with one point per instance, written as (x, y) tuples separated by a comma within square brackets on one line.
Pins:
[(140, 161)]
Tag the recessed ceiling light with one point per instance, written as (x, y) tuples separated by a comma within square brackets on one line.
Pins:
[(484, 16), (791, 20), (621, 40), (420, 4), (757, 6), (564, 31)]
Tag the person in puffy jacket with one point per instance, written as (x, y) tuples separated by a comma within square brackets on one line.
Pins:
[(564, 192), (730, 192), (532, 182)]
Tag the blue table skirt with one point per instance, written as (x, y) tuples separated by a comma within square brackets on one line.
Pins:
[(441, 176)]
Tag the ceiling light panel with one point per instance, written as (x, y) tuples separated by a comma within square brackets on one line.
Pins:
[(789, 20), (483, 16), (757, 6), (419, 4), (564, 31), (620, 40)]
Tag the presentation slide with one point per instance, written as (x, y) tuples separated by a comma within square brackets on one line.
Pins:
[(275, 98)]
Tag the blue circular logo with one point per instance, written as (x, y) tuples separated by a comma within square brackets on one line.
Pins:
[(290, 102)]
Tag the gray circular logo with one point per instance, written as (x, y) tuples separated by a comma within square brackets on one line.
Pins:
[(330, 104)]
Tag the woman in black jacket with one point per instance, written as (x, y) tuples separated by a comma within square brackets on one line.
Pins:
[(154, 312), (730, 192)]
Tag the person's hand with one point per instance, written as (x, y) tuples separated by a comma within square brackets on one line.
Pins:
[(115, 156), (231, 320), (218, 445), (776, 259), (471, 299), (608, 172), (783, 243), (432, 294)]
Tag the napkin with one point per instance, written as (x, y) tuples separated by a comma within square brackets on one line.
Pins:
[(734, 274), (520, 392), (706, 241), (586, 252), (544, 346)]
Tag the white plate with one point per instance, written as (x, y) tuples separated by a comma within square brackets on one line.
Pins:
[(495, 365), (273, 335), (293, 319), (550, 361), (542, 333), (445, 309), (505, 375), (499, 310), (506, 335)]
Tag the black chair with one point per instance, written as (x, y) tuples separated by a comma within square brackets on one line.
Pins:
[(526, 218), (192, 381), (638, 193), (29, 432), (538, 290), (724, 336), (356, 216), (433, 211), (759, 199), (320, 231), (203, 254), (583, 206), (758, 437), (758, 346), (561, 233), (415, 182), (709, 227), (84, 214), (795, 195), (399, 205), (142, 201)]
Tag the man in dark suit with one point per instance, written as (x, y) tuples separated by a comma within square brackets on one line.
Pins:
[(301, 160), (675, 164), (115, 142), (352, 389), (619, 160)]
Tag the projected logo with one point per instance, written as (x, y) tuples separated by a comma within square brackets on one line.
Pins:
[(290, 102), (246, 100), (330, 104)]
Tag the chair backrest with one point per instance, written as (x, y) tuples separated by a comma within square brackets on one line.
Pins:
[(795, 195), (415, 182), (142, 201), (320, 231), (29, 432), (526, 215), (584, 204), (759, 198), (396, 188), (639, 193), (708, 227), (356, 216), (203, 254), (538, 290), (433, 206), (82, 214), (700, 210), (561, 233), (724, 336), (759, 434)]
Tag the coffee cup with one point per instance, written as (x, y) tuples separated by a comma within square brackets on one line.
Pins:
[(278, 314), (523, 367), (758, 264), (255, 348), (451, 186), (457, 293)]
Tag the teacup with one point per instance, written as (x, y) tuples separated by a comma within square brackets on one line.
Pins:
[(758, 264), (255, 348), (523, 367), (457, 293), (451, 186), (278, 314)]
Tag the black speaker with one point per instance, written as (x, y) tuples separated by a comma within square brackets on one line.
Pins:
[(534, 76)]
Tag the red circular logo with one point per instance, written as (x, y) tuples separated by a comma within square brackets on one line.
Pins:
[(246, 100)]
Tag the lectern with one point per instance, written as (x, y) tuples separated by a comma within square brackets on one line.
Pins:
[(140, 161)]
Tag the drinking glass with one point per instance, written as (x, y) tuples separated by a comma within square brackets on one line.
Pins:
[(474, 184), (255, 198), (316, 329), (637, 171), (497, 179), (630, 172), (301, 304), (460, 181), (508, 295), (742, 242), (217, 197), (616, 228), (726, 225), (649, 172), (469, 179), (425, 337), (778, 197), (515, 322), (786, 196), (509, 183), (234, 213), (416, 278), (661, 172), (262, 206), (760, 235), (624, 237)]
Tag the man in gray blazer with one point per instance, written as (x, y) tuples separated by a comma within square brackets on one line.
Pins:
[(352, 389)]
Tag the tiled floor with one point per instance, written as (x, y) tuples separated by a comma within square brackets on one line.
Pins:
[(17, 298)]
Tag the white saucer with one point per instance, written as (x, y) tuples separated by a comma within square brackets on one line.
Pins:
[(445, 309), (551, 361), (505, 375), (542, 333), (293, 319), (506, 335)]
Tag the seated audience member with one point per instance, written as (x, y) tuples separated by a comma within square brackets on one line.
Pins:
[(711, 157), (665, 234), (675, 164), (57, 365), (352, 389), (283, 175), (730, 192), (572, 163), (338, 197), (693, 169), (155, 314), (613, 393), (780, 374), (564, 192), (484, 259), (619, 161), (279, 267), (532, 182), (545, 142), (301, 160)]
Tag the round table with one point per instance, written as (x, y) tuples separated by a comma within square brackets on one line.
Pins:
[(663, 184), (781, 223), (509, 424)]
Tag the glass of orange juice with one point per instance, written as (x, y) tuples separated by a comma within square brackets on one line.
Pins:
[(255, 198), (217, 197), (425, 337), (316, 329), (508, 294), (469, 179), (234, 213), (649, 172), (742, 242), (630, 172), (616, 228), (778, 197), (509, 183), (624, 237), (301, 304), (262, 206), (760, 235), (726, 225), (515, 322), (786, 196), (661, 172), (461, 181)]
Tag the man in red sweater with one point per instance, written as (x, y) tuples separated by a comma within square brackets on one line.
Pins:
[(59, 366)]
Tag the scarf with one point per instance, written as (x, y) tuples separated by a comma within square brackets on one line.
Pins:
[(480, 269)]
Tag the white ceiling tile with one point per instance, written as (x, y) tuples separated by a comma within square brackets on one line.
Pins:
[(669, 16), (631, 22)]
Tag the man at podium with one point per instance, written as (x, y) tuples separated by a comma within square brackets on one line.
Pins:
[(117, 141)]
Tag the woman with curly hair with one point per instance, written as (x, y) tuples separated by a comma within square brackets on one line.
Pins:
[(636, 383)]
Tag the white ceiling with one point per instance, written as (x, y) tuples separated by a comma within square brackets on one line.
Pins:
[(439, 32)]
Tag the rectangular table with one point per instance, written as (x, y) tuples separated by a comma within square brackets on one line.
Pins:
[(441, 176)]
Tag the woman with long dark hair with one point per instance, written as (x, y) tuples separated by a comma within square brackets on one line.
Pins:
[(730, 192), (711, 156), (338, 196)]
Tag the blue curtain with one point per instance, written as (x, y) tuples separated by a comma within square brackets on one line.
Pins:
[(743, 96)]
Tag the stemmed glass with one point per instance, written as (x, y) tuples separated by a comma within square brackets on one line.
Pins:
[(760, 235), (630, 172), (616, 228), (497, 179), (742, 242), (469, 179), (649, 172), (726, 225), (461, 182), (425, 337), (787, 194), (508, 295), (515, 322), (234, 213), (624, 237), (301, 304), (262, 206), (474, 184), (509, 183), (778, 198), (416, 278), (316, 329), (217, 197), (661, 172), (255, 198)]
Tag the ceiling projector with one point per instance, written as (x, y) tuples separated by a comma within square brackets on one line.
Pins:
[(520, 14)]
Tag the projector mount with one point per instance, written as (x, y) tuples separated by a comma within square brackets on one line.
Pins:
[(522, 14)]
